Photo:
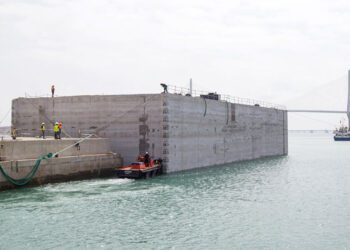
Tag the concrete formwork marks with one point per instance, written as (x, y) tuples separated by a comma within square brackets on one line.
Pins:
[(198, 139), (187, 132)]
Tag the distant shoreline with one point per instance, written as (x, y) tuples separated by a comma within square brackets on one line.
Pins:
[(326, 131)]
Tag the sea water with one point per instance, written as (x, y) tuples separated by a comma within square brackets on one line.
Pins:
[(300, 201)]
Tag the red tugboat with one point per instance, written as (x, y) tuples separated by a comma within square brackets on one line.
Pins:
[(140, 169)]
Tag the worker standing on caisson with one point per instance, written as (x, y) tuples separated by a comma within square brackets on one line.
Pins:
[(165, 87), (56, 130), (42, 130), (53, 90), (59, 130)]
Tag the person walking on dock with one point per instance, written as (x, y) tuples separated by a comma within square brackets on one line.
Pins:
[(42, 130), (53, 90), (56, 130)]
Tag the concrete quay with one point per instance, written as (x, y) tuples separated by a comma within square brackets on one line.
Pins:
[(31, 148), (93, 158)]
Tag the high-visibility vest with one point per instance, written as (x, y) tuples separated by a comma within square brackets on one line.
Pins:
[(42, 127), (55, 128)]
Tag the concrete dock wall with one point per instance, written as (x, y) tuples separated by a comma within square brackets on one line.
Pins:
[(61, 169), (33, 148), (93, 159), (187, 132)]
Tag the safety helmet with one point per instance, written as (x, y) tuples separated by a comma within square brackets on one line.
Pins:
[(43, 123), (56, 123)]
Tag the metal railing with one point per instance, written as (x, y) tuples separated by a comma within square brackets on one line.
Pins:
[(197, 93), (224, 98), (26, 95)]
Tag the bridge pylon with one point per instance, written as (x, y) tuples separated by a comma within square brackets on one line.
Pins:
[(348, 109)]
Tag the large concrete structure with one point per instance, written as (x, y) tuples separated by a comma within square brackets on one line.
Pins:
[(187, 132), (93, 158)]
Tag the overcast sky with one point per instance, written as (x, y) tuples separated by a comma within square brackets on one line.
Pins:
[(279, 51)]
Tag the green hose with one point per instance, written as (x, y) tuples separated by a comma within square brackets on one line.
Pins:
[(25, 180)]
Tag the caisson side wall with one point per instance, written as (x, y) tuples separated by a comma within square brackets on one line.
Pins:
[(187, 132)]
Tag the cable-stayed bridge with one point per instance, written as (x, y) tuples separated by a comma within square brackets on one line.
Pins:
[(317, 111), (328, 111)]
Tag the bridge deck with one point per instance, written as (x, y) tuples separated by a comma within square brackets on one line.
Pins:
[(317, 111)]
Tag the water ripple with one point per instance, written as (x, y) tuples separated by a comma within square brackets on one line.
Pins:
[(301, 201)]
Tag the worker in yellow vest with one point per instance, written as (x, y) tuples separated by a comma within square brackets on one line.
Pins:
[(56, 130), (59, 130)]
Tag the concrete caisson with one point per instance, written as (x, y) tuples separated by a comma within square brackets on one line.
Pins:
[(187, 132)]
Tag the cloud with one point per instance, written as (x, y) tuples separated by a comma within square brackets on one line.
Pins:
[(271, 50)]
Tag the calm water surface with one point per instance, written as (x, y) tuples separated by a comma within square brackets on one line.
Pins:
[(296, 202)]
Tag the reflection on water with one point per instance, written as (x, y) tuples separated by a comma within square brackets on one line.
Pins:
[(300, 201)]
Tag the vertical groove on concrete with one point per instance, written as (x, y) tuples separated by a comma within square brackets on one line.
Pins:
[(187, 132)]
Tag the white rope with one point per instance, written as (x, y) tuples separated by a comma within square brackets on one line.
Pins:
[(70, 146), (3, 119)]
